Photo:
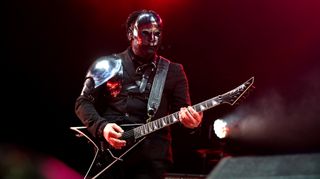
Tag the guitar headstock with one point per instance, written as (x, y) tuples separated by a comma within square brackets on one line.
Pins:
[(241, 92)]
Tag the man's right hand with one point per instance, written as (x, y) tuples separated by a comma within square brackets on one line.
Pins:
[(112, 132)]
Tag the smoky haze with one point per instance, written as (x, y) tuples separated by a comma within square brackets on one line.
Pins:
[(281, 119)]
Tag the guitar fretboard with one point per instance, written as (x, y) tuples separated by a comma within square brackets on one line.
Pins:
[(172, 118)]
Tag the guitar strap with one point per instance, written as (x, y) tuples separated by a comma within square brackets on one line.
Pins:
[(157, 87)]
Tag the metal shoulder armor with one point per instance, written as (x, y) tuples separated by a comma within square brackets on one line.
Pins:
[(105, 68)]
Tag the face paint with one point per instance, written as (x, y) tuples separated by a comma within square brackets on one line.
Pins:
[(146, 35)]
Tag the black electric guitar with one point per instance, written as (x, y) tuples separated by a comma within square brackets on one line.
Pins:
[(105, 156)]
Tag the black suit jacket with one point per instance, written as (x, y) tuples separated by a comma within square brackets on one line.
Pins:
[(131, 107)]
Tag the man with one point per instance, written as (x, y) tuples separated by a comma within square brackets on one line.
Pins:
[(116, 92)]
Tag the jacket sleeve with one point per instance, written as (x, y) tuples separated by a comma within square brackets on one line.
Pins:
[(180, 93), (86, 110)]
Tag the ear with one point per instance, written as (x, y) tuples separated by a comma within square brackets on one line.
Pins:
[(130, 34)]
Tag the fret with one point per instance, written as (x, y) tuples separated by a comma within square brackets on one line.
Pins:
[(145, 129), (150, 126), (154, 124), (196, 107), (203, 107), (163, 122), (171, 119), (139, 130), (158, 123), (166, 119), (175, 117)]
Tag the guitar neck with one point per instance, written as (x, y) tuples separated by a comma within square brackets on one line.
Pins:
[(230, 97), (160, 123)]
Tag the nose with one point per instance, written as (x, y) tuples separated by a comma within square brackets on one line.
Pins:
[(152, 36)]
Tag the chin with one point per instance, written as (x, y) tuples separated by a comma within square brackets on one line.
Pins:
[(149, 53)]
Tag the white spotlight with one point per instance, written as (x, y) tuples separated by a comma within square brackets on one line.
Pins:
[(220, 128)]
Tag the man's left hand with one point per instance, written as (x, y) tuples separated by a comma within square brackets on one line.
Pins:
[(189, 117)]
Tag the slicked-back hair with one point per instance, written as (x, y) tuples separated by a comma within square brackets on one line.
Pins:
[(134, 15)]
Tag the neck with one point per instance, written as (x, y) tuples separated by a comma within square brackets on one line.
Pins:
[(141, 60)]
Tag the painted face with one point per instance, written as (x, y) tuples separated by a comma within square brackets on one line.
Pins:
[(146, 35)]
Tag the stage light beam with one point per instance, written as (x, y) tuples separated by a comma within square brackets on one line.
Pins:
[(220, 128)]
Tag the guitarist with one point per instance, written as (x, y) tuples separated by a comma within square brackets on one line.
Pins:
[(116, 91)]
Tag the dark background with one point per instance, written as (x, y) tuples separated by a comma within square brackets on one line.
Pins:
[(48, 46)]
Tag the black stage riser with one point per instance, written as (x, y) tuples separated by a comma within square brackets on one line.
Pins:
[(293, 166)]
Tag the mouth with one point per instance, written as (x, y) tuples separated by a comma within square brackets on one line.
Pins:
[(152, 44)]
